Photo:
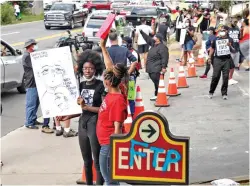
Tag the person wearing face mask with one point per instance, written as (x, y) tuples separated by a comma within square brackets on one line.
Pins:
[(157, 61), (32, 99), (179, 23), (234, 33), (205, 21), (188, 42), (221, 49)]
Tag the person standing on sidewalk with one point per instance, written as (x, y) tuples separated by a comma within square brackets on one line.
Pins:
[(164, 30), (143, 47), (221, 49), (112, 112), (32, 99), (234, 33), (157, 61), (244, 42), (209, 42)]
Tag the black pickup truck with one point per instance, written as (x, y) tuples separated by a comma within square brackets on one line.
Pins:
[(65, 15)]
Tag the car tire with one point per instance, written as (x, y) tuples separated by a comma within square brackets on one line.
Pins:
[(72, 24), (21, 89), (47, 27)]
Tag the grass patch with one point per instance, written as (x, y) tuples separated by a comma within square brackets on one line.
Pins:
[(28, 18)]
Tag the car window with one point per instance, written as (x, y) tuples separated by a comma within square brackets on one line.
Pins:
[(95, 23), (6, 51), (144, 11), (66, 7)]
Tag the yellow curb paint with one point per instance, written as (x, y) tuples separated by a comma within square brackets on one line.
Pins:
[(47, 37)]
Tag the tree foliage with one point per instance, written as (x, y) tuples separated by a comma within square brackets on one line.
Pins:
[(7, 13), (225, 4)]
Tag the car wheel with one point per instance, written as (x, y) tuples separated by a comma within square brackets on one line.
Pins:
[(21, 89), (72, 24), (47, 27)]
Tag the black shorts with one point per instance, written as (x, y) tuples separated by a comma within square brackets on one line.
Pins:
[(143, 48)]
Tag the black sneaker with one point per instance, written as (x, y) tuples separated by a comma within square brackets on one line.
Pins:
[(71, 133), (32, 127), (59, 132)]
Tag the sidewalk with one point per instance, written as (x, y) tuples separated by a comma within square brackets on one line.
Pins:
[(218, 132)]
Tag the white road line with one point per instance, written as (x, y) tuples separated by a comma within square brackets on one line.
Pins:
[(20, 24), (246, 152), (214, 148), (10, 33), (244, 93)]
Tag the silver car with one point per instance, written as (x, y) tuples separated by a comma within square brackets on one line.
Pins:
[(11, 68)]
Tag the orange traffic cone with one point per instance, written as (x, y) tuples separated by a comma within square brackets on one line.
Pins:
[(82, 180), (172, 88), (200, 61), (182, 81), (162, 100), (191, 69), (128, 121), (139, 107)]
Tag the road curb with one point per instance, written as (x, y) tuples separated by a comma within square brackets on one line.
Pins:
[(239, 179), (2, 26)]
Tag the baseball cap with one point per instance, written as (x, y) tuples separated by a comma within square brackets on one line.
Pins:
[(127, 39), (29, 42)]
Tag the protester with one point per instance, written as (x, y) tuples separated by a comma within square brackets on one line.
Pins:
[(127, 42), (164, 30), (112, 112), (234, 33), (32, 99), (17, 11), (221, 62), (205, 21), (223, 15), (157, 61), (143, 47), (209, 42), (244, 42), (179, 25), (188, 42), (120, 54)]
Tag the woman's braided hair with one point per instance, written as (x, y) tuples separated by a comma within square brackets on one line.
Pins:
[(116, 74)]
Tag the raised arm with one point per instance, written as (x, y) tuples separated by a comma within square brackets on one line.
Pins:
[(147, 38), (106, 57)]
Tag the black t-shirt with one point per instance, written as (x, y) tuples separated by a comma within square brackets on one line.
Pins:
[(188, 36), (222, 51), (234, 33), (92, 95), (163, 29)]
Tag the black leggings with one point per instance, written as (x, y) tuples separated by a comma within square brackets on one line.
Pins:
[(155, 77), (89, 145)]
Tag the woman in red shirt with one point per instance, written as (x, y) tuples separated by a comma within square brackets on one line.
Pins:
[(112, 112)]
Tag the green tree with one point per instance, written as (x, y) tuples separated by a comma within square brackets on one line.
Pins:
[(7, 13), (225, 4)]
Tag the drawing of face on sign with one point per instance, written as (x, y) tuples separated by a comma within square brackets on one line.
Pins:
[(52, 75), (62, 98), (88, 95)]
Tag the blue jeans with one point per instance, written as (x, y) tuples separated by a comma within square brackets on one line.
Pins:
[(188, 46), (32, 104), (46, 122), (104, 160)]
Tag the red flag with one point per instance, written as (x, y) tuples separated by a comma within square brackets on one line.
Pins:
[(104, 30)]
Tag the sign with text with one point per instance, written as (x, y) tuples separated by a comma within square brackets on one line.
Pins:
[(183, 35), (222, 48), (150, 154), (106, 26)]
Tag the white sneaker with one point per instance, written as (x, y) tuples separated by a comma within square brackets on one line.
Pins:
[(230, 82), (234, 81), (153, 98)]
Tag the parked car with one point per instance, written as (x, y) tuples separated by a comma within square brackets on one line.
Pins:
[(95, 21), (65, 15), (98, 5), (11, 68), (119, 4)]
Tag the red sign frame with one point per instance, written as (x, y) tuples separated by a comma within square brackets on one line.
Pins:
[(170, 166)]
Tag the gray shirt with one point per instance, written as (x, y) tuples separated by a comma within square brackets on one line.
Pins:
[(29, 78)]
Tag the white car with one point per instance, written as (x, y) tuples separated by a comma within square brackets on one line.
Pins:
[(94, 23)]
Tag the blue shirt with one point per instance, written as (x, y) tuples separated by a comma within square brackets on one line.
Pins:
[(120, 54), (211, 39)]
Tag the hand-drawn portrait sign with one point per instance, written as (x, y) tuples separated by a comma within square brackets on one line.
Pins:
[(150, 154), (222, 48)]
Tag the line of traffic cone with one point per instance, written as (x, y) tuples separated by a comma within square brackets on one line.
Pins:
[(172, 87), (191, 68), (128, 121), (82, 180), (162, 100), (200, 61), (139, 107), (182, 81)]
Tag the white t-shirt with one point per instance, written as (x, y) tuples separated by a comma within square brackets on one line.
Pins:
[(136, 56), (224, 16), (17, 9), (146, 29)]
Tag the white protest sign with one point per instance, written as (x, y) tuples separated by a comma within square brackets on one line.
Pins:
[(56, 82), (222, 48), (183, 35)]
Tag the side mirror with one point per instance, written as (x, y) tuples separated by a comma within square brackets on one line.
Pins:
[(19, 52)]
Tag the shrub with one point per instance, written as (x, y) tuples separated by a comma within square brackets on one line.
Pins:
[(7, 13)]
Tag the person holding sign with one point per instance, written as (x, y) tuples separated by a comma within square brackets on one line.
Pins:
[(113, 111), (221, 49)]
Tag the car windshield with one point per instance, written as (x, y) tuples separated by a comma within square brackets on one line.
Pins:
[(95, 23), (128, 8), (66, 7), (99, 1), (121, 1), (144, 11)]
